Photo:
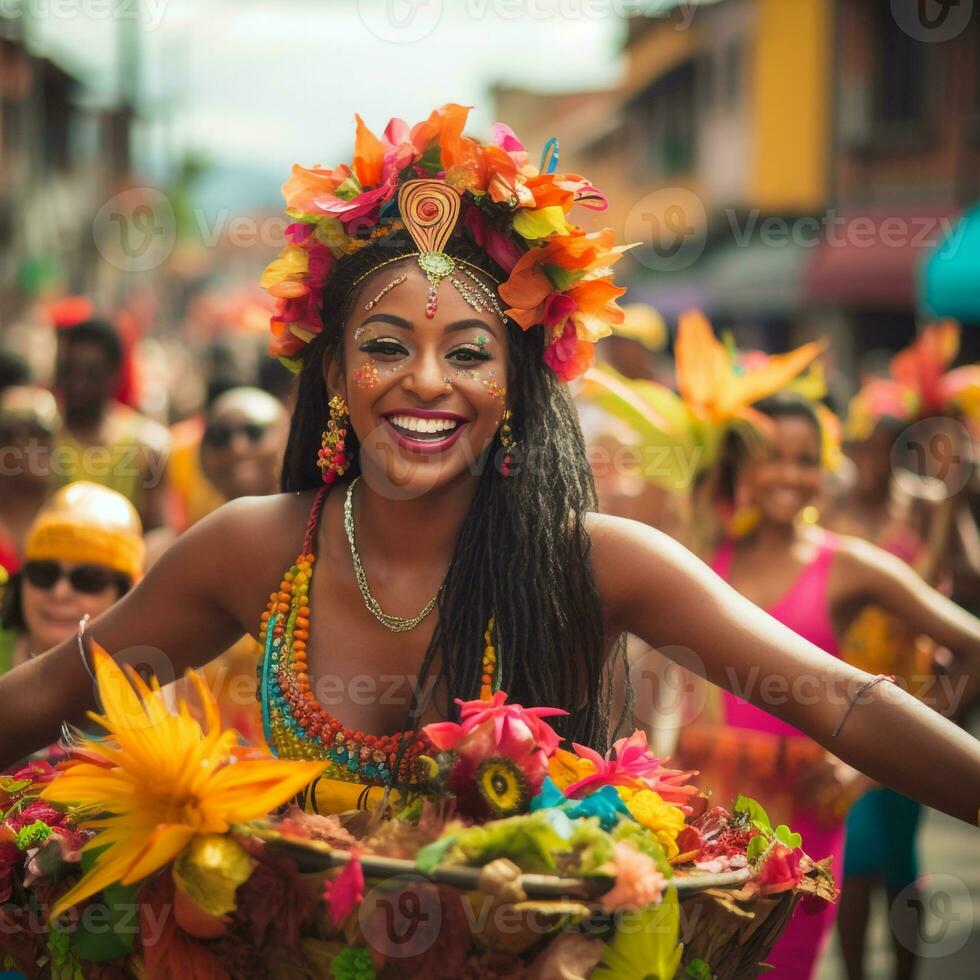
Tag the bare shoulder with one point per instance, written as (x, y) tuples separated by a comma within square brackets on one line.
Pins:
[(861, 567), (244, 547), (628, 557), (855, 556), (265, 526)]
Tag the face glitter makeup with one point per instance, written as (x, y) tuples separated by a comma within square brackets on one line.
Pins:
[(366, 377)]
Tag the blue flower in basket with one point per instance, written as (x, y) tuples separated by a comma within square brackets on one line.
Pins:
[(603, 803)]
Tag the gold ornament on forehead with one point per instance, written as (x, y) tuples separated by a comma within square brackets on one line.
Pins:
[(430, 210)]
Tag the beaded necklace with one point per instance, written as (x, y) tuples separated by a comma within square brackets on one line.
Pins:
[(296, 725)]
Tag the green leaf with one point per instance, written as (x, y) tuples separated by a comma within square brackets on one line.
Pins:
[(349, 189), (531, 841), (757, 847), (698, 970), (786, 836), (430, 857), (645, 946), (11, 786), (431, 161), (645, 842), (562, 278), (107, 928), (757, 815)]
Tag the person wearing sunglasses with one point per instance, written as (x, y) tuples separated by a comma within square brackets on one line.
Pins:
[(83, 552), (243, 442)]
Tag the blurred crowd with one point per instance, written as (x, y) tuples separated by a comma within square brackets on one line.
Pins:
[(93, 488)]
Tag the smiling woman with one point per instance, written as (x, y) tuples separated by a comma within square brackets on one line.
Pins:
[(437, 526)]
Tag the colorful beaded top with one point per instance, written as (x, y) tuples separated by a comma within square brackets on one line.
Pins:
[(296, 725)]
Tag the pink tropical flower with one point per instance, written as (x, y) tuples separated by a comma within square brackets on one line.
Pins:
[(494, 727), (631, 763), (781, 870), (499, 246), (345, 892), (557, 308), (506, 139), (639, 881)]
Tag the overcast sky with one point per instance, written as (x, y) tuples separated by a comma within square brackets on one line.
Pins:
[(257, 84)]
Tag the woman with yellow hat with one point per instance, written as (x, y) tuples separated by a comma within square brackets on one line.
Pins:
[(83, 552)]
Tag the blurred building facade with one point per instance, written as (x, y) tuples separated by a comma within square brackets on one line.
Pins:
[(788, 166), (62, 154)]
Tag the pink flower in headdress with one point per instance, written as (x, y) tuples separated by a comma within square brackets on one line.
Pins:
[(321, 262), (557, 308), (298, 232), (399, 150), (500, 247), (568, 356), (630, 763), (506, 139), (366, 205)]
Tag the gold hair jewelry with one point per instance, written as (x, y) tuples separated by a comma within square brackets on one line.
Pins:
[(397, 281), (477, 294), (430, 210), (397, 624)]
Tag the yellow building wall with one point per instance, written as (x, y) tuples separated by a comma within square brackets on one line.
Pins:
[(791, 65)]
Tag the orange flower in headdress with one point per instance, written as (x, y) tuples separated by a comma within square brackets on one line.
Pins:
[(716, 391), (711, 383)]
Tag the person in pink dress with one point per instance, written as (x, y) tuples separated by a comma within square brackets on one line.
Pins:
[(815, 582)]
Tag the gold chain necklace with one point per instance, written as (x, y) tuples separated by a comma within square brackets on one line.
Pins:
[(397, 624)]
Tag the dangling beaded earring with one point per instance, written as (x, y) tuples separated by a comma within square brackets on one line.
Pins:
[(507, 443), (332, 456)]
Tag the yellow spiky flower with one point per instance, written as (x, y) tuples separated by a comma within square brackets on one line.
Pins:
[(159, 780)]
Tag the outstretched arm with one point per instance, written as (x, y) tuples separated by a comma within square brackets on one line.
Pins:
[(655, 588), (875, 576), (192, 605)]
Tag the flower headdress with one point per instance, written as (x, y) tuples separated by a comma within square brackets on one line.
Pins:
[(920, 384), (715, 393), (559, 274)]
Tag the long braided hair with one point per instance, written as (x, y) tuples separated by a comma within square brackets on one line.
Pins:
[(523, 551)]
